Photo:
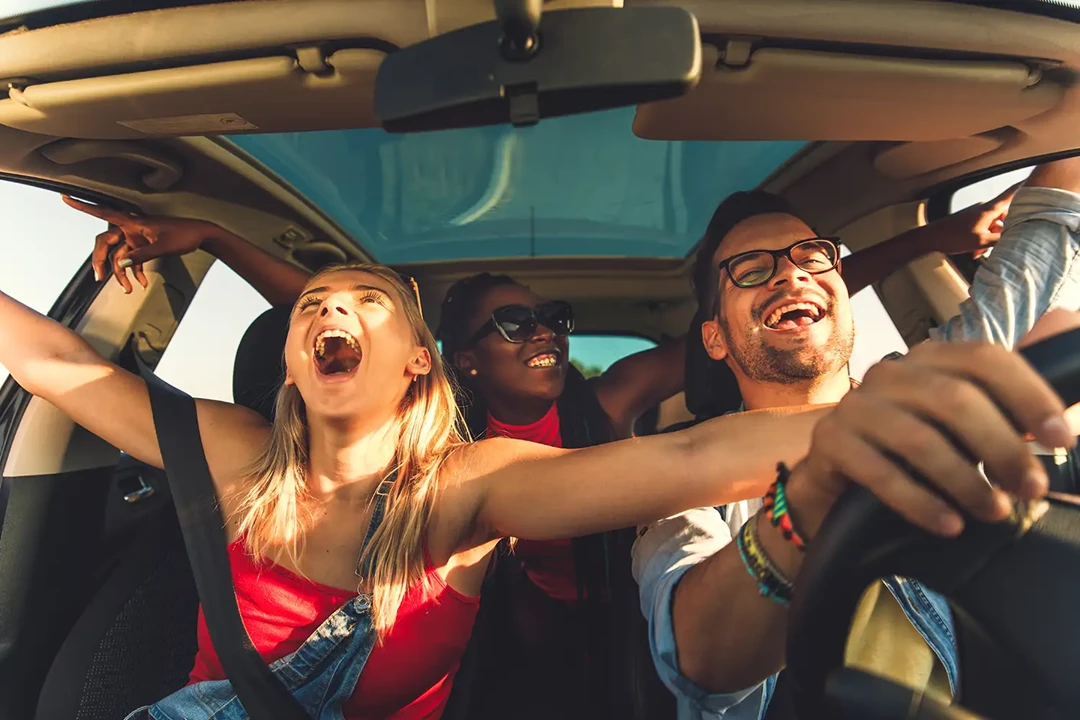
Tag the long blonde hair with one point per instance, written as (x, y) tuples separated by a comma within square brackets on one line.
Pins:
[(272, 509)]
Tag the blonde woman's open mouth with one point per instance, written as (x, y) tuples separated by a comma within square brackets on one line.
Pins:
[(336, 353)]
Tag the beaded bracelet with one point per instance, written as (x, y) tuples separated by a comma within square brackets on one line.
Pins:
[(776, 508), (770, 581)]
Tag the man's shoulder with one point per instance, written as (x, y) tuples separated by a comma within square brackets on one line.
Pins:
[(666, 545)]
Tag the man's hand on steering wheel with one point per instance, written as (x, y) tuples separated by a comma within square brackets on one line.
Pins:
[(939, 410), (141, 239)]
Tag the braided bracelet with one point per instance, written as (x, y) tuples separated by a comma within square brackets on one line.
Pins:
[(770, 581), (776, 508)]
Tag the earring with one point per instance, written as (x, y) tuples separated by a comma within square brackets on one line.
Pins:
[(473, 372)]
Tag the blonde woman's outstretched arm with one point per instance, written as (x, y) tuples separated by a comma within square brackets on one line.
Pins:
[(533, 491), (54, 363)]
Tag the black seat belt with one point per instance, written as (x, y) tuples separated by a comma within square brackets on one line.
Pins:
[(177, 427)]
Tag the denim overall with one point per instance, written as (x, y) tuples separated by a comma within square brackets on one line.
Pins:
[(321, 674)]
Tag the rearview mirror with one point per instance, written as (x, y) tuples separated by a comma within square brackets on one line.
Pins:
[(519, 69)]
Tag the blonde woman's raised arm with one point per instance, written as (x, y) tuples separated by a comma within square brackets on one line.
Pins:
[(54, 363)]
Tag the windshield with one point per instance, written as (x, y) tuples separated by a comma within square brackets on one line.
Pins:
[(576, 186), (1063, 9)]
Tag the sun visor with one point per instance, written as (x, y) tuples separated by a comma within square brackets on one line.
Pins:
[(794, 94), (269, 94), (908, 160)]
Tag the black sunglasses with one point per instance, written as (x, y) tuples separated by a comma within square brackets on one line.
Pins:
[(518, 323), (757, 267)]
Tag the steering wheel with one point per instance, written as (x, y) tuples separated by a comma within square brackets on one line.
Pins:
[(1014, 588)]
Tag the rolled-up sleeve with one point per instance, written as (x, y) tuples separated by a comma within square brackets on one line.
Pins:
[(1034, 268), (662, 554)]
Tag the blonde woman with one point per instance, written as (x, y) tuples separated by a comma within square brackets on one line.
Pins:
[(360, 523)]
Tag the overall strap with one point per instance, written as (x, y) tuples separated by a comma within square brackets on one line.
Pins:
[(344, 639), (379, 499)]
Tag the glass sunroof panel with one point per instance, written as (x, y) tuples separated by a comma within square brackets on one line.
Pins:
[(576, 186)]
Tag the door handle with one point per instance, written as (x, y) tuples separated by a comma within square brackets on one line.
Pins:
[(142, 492)]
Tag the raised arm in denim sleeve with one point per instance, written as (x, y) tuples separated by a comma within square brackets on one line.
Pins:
[(662, 554), (1034, 268)]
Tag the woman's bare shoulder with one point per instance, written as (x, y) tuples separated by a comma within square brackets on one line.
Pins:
[(233, 438)]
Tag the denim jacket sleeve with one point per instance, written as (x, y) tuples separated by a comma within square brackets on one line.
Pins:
[(662, 554), (1034, 268)]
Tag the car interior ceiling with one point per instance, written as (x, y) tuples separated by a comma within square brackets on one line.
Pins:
[(79, 586)]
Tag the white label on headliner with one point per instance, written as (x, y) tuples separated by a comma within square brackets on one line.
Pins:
[(211, 124)]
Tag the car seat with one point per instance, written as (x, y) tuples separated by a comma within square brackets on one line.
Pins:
[(710, 387)]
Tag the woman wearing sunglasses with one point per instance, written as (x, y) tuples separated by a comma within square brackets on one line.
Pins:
[(565, 627)]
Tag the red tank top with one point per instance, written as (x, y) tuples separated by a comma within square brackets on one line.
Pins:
[(549, 564), (407, 677)]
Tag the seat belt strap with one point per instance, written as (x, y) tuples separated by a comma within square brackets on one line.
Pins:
[(177, 427)]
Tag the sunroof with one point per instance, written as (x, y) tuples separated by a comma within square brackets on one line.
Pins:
[(576, 186)]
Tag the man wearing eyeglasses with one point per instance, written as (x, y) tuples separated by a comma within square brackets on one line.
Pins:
[(778, 316)]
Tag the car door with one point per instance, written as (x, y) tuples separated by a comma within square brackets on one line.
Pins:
[(95, 588), (46, 543)]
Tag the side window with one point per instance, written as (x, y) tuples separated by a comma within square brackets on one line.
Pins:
[(594, 354), (44, 244), (199, 358), (875, 334), (986, 189)]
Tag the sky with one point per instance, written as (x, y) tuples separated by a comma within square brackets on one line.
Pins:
[(46, 242)]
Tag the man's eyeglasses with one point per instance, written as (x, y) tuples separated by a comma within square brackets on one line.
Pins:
[(757, 267), (518, 323)]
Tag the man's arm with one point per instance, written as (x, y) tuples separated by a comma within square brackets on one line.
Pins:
[(672, 554), (973, 229), (1033, 269), (691, 578), (726, 637)]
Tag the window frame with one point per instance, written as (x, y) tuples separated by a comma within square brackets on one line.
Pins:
[(68, 309)]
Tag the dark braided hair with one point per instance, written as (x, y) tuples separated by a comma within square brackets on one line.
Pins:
[(613, 627), (458, 307)]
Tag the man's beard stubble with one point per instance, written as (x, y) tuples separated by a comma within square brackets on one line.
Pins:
[(763, 363)]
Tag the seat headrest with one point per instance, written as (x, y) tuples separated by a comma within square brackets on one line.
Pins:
[(259, 369), (711, 388)]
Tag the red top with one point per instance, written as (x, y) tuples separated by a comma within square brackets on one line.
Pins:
[(549, 564), (407, 677)]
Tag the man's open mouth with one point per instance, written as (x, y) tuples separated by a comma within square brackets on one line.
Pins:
[(336, 352), (545, 359), (794, 315)]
